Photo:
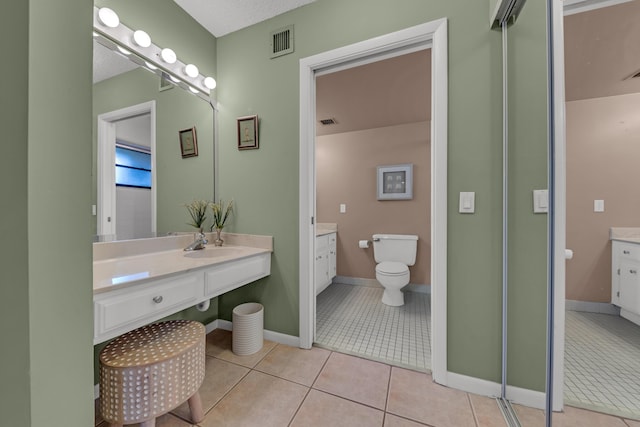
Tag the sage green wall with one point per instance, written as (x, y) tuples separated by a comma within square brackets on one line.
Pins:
[(46, 312), (527, 172), (179, 180), (264, 182), (15, 398)]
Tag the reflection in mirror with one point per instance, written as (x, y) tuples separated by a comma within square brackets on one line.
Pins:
[(140, 115)]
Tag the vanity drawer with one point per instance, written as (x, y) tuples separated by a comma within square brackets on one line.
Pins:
[(123, 310), (627, 250), (231, 275)]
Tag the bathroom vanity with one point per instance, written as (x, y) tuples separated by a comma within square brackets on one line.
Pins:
[(326, 253), (140, 281), (625, 272)]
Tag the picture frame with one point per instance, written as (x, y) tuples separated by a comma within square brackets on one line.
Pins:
[(248, 132), (395, 182), (188, 142)]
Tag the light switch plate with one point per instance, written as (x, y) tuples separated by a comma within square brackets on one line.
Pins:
[(598, 205), (540, 201), (467, 202), (343, 208)]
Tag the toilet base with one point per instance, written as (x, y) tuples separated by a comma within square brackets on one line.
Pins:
[(393, 297)]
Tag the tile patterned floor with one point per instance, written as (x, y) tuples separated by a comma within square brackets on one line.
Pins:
[(602, 363), (283, 386), (353, 320)]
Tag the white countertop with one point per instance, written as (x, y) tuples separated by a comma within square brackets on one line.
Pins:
[(625, 234), (118, 273), (323, 228), (122, 264), (627, 239)]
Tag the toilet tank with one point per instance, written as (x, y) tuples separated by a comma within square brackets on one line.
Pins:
[(395, 247)]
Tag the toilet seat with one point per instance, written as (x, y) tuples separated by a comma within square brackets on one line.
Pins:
[(391, 268)]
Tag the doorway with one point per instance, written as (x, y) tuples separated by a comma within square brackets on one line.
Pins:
[(597, 351), (110, 125), (430, 35), (369, 116)]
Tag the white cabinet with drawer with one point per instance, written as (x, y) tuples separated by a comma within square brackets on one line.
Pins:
[(192, 280), (325, 261), (625, 279), (123, 310)]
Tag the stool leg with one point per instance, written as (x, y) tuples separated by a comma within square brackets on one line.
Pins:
[(195, 404), (149, 423)]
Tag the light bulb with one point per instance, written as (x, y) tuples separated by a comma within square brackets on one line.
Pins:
[(124, 51), (175, 79), (168, 55), (210, 82), (191, 70), (192, 89), (141, 38), (95, 34), (150, 65), (108, 17)]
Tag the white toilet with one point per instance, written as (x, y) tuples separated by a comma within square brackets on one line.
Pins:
[(394, 253)]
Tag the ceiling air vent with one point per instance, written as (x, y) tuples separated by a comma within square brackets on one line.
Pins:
[(282, 41), (326, 122)]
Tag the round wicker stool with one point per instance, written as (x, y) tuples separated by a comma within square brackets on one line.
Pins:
[(152, 370)]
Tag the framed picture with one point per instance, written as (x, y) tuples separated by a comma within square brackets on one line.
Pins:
[(248, 132), (395, 182), (188, 142)]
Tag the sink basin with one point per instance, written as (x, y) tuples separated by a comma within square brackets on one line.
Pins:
[(214, 252)]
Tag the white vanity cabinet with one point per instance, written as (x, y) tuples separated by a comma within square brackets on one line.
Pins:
[(124, 308), (625, 279), (325, 261)]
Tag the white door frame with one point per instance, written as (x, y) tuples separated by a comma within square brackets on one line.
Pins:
[(434, 35), (106, 197), (561, 9)]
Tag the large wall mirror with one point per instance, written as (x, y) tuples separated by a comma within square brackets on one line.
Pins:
[(139, 115)]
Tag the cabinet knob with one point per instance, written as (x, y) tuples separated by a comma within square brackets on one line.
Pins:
[(158, 299), (633, 271), (626, 252)]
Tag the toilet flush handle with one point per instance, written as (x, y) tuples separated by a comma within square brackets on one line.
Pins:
[(376, 239)]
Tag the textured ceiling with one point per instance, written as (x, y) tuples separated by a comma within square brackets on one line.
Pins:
[(602, 49), (384, 93), (222, 17), (107, 63)]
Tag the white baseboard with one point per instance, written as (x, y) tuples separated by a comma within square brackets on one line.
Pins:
[(278, 337), (361, 281), (472, 385), (592, 307), (521, 396), (630, 316)]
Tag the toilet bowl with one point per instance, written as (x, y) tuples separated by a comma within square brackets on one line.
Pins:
[(393, 276), (394, 253)]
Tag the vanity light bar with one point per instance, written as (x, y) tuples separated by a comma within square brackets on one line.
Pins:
[(152, 57)]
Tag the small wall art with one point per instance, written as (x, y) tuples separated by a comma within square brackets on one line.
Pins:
[(248, 132), (188, 142), (395, 182)]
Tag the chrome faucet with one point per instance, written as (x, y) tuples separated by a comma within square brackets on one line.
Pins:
[(198, 244)]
